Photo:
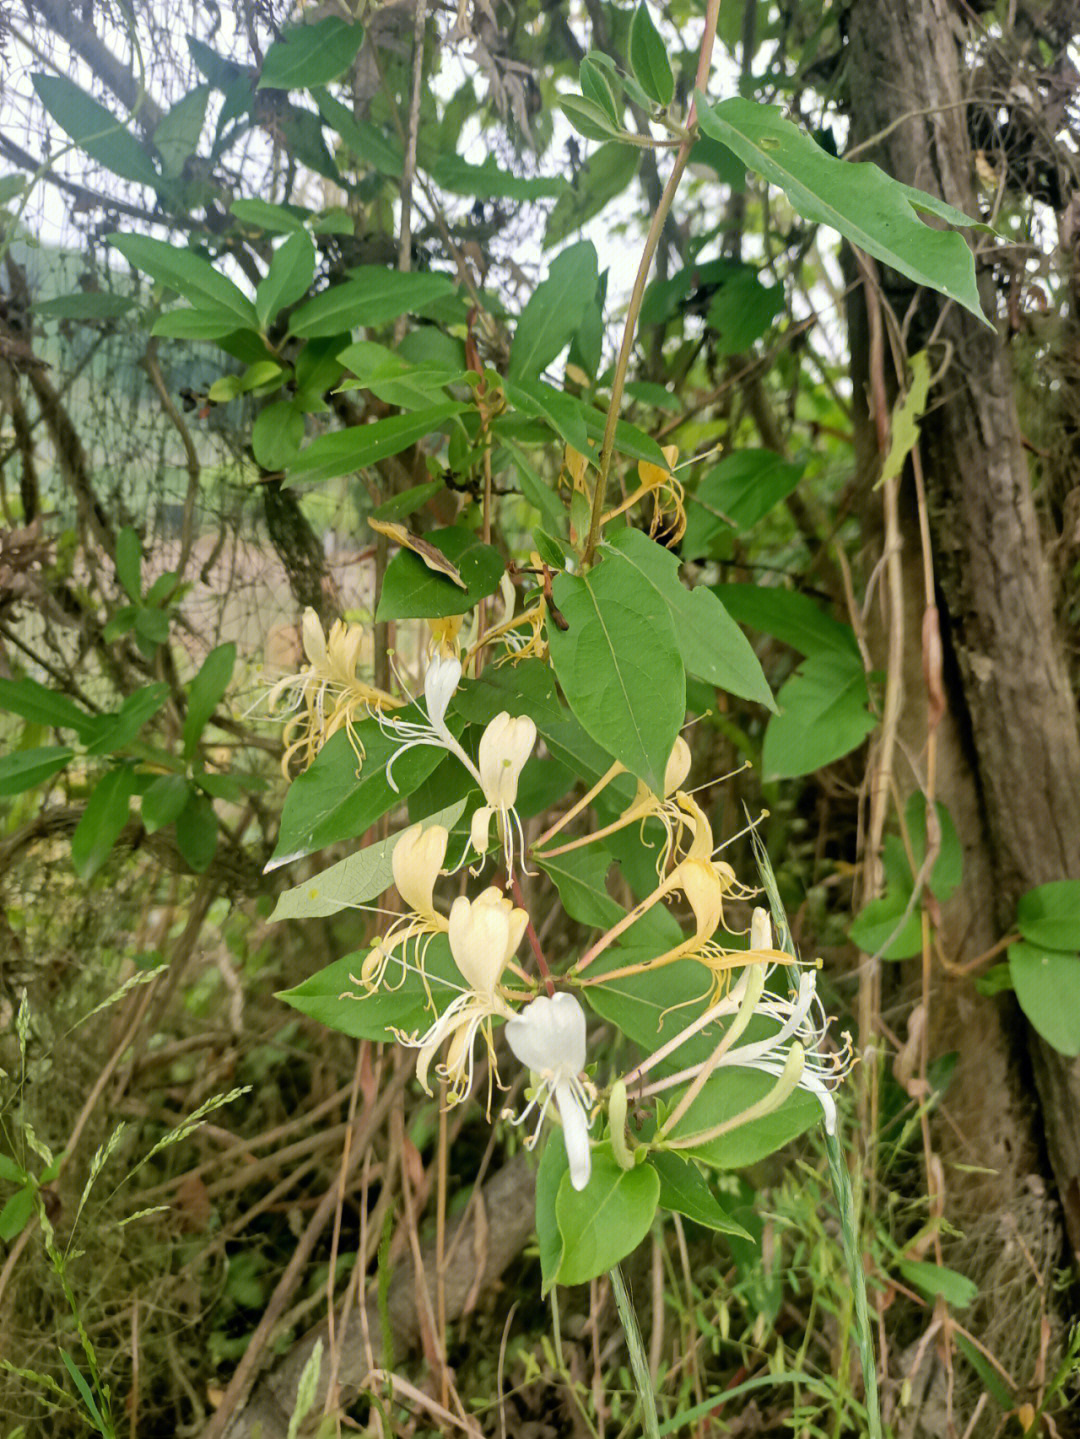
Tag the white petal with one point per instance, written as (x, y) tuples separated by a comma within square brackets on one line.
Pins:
[(440, 682), (575, 1133), (549, 1035)]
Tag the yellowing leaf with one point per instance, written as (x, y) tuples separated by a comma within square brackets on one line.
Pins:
[(433, 558)]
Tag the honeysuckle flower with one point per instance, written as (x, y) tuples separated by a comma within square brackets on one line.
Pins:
[(548, 1036), (644, 806), (669, 507), (705, 883), (796, 1053), (484, 934), (327, 694), (505, 746), (444, 635), (441, 679), (417, 860)]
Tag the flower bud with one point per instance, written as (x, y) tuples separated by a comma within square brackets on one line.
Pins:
[(505, 746), (678, 766), (417, 859)]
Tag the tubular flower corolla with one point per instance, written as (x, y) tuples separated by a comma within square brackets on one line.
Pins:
[(505, 746), (327, 694), (548, 1036), (484, 934), (417, 861)]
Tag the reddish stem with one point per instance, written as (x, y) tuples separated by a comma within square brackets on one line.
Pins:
[(534, 941)]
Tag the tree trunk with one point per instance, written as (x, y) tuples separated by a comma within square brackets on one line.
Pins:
[(1009, 765)]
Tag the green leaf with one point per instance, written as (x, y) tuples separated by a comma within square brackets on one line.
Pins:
[(189, 275), (176, 135), (488, 181), (411, 590), (629, 440), (337, 1000), (787, 615), (653, 1006), (129, 563), (151, 625), (547, 323), (619, 666), (948, 868), (23, 769), (113, 732), (43, 706), (711, 644), (84, 1391), (366, 141), (603, 1222), (205, 692), (15, 1213), (742, 310), (601, 87), (394, 380), (587, 117), (196, 832), (877, 928), (605, 174), (277, 434), (84, 305), (95, 130), (11, 187), (907, 412), (684, 1189), (563, 412), (311, 54), (649, 58), (879, 214), (277, 219), (164, 802), (397, 507), (549, 1175), (934, 1279), (741, 489), (823, 716), (328, 802), (730, 1093), (1050, 915), (374, 295), (184, 324), (343, 451), (290, 273), (355, 880), (1047, 984), (10, 1172), (105, 816)]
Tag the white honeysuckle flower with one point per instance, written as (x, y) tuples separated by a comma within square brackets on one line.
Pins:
[(505, 746), (548, 1036), (441, 679), (484, 933), (802, 1025)]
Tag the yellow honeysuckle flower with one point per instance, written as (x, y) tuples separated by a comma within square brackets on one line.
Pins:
[(417, 861), (327, 694), (669, 498), (484, 934)]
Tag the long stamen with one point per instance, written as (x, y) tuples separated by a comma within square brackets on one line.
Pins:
[(786, 1085)]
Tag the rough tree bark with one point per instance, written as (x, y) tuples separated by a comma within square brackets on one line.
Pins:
[(1010, 747)]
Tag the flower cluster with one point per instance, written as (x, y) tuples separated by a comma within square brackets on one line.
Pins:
[(779, 1031)]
